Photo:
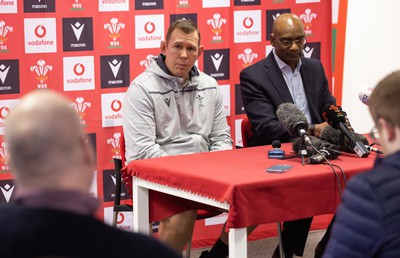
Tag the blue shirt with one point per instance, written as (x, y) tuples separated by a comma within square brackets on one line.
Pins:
[(295, 85)]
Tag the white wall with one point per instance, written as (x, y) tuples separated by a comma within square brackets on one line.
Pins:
[(372, 51)]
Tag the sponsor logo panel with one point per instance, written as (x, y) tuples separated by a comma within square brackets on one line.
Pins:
[(271, 16), (5, 108), (8, 6), (41, 70), (7, 189), (216, 3), (149, 30), (248, 57), (308, 17), (226, 94), (39, 6), (9, 77), (216, 63), (247, 2), (77, 34), (81, 107), (111, 109), (109, 182), (216, 23), (78, 73), (113, 5), (124, 219), (312, 50), (115, 143), (149, 4), (247, 26), (114, 71), (40, 35), (4, 32), (114, 28)]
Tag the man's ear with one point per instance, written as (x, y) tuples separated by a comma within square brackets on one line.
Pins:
[(163, 46), (88, 151), (389, 129), (272, 39), (200, 52)]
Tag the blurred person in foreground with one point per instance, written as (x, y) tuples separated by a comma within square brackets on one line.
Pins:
[(52, 213), (368, 220), (172, 108)]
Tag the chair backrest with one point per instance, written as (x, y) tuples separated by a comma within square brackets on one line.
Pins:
[(247, 133), (119, 163)]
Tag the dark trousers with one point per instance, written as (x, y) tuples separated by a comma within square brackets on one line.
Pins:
[(294, 237)]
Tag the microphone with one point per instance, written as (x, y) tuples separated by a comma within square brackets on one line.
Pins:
[(365, 94), (327, 151), (297, 145), (293, 120), (336, 119), (276, 153)]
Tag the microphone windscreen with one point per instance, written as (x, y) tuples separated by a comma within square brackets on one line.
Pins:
[(365, 94), (290, 116), (336, 137), (276, 144), (334, 116), (298, 144)]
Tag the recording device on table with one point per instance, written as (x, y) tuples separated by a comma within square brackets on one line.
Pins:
[(335, 118), (276, 152)]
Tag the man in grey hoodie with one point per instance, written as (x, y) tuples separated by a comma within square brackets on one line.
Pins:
[(172, 108)]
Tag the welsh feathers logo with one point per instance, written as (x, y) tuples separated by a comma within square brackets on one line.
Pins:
[(115, 143), (307, 18), (41, 70), (114, 27), (216, 22), (183, 4), (247, 57), (77, 6), (3, 156), (147, 61), (81, 106), (4, 30)]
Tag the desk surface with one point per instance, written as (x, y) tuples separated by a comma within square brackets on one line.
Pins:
[(239, 178)]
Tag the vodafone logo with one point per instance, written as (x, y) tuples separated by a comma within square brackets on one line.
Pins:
[(121, 218), (4, 111), (248, 22), (116, 105), (40, 31), (149, 27), (79, 69)]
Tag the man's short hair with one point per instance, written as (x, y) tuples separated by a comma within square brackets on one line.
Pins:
[(185, 25), (385, 100)]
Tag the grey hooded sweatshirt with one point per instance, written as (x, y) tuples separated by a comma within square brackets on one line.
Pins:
[(162, 117)]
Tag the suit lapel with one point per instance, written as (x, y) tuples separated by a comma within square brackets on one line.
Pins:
[(275, 75)]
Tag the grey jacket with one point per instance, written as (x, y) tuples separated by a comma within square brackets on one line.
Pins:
[(161, 117)]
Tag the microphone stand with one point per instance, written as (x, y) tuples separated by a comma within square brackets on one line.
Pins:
[(303, 153)]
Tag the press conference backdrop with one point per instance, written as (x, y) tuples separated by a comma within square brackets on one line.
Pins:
[(91, 50)]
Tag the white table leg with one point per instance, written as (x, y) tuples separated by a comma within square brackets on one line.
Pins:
[(140, 209), (238, 242)]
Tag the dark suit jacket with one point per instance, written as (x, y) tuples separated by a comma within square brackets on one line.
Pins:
[(38, 232), (264, 89)]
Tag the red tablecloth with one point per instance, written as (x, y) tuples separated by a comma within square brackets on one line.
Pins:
[(239, 177)]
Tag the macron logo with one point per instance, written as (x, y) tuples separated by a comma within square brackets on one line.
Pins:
[(7, 191), (77, 28), (3, 72), (307, 52), (115, 66), (217, 59)]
